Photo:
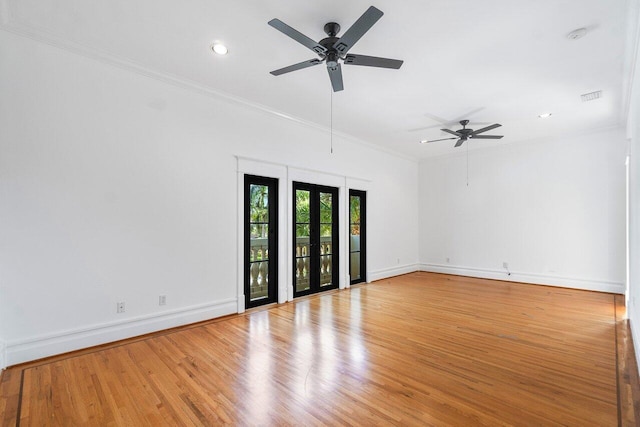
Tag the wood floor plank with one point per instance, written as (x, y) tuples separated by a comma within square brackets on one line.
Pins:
[(418, 349), (10, 380)]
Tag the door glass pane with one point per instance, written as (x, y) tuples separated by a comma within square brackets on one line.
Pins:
[(355, 239), (259, 242), (303, 254), (302, 206), (355, 255), (355, 265), (326, 207), (354, 203), (259, 199), (259, 231), (326, 239)]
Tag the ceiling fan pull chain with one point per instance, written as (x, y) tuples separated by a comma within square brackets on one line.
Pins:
[(468, 163), (331, 122)]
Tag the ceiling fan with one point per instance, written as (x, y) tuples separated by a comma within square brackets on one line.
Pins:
[(333, 49), (464, 134)]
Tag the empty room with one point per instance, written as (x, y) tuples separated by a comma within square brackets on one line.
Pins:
[(319, 213)]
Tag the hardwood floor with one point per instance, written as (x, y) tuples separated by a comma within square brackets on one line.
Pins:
[(419, 349)]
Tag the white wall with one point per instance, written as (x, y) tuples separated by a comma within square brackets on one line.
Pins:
[(553, 210), (633, 133), (119, 187)]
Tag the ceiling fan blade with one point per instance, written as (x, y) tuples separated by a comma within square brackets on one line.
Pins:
[(459, 143), (467, 115), (448, 123), (295, 67), (475, 132), (422, 128), (297, 36), (357, 30), (372, 61), (440, 120), (436, 140), (335, 74), (451, 132), (487, 136)]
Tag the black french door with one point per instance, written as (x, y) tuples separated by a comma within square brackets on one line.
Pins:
[(357, 236), (315, 253), (260, 240)]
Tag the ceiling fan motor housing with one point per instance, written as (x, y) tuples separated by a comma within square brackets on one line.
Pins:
[(466, 133)]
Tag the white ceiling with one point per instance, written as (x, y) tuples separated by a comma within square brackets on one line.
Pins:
[(490, 61)]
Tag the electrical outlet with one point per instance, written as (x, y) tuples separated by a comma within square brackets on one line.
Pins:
[(120, 307), (398, 260), (162, 300), (447, 260), (505, 264)]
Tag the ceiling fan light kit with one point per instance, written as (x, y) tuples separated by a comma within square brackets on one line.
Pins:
[(577, 34), (333, 49)]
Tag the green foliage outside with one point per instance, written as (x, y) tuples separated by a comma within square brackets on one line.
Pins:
[(354, 214), (259, 202), (259, 211), (303, 215)]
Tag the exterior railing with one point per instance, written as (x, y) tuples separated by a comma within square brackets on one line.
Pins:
[(303, 266), (259, 268)]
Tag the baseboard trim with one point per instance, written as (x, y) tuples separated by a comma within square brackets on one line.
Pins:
[(533, 278), (391, 272), (62, 342)]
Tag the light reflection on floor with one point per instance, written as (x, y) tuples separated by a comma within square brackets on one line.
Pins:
[(322, 353)]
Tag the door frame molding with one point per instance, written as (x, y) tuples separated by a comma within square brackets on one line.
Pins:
[(267, 170), (286, 174), (325, 180)]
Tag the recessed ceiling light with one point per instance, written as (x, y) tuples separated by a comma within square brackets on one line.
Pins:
[(424, 141), (219, 48), (544, 115), (577, 34)]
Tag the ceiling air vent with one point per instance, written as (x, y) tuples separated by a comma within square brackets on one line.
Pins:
[(591, 96)]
